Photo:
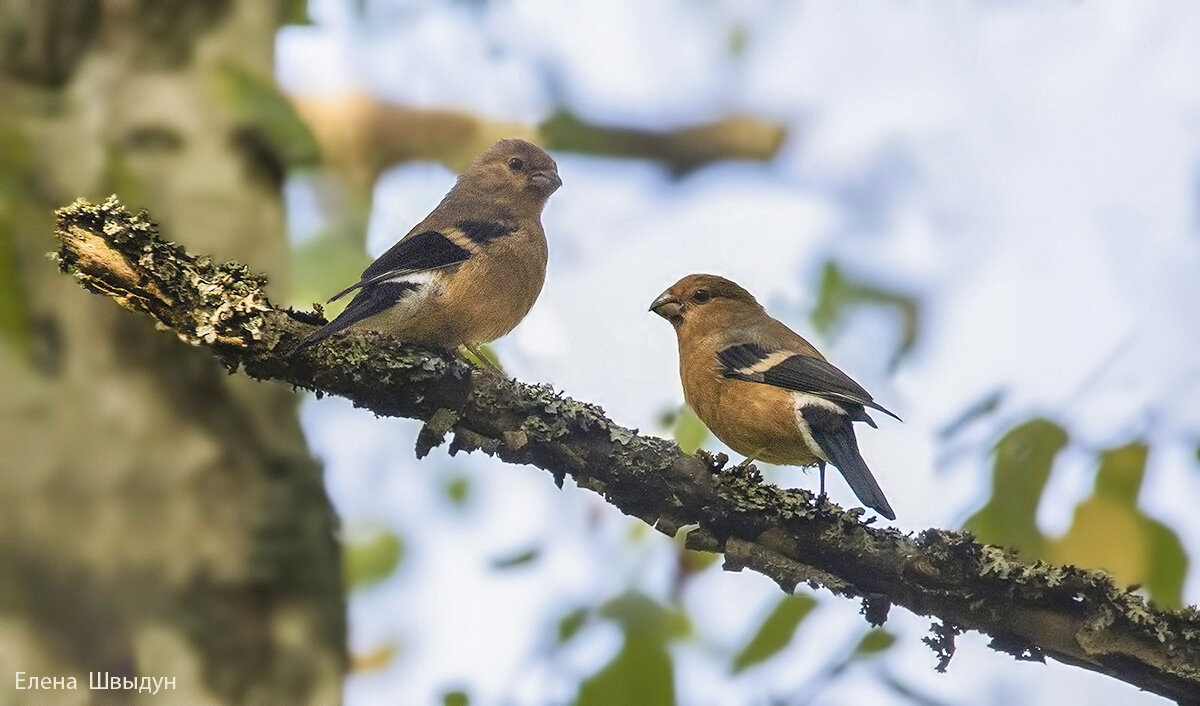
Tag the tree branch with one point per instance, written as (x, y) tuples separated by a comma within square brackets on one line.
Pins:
[(1032, 610)]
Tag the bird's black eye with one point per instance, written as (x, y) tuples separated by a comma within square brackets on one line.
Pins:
[(516, 164), (701, 296)]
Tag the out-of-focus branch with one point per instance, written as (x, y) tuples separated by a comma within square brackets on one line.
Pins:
[(1032, 610), (361, 135)]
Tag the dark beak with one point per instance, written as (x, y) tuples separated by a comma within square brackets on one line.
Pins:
[(547, 181), (667, 307)]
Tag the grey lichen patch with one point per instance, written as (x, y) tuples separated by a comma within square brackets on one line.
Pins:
[(746, 489), (620, 435), (120, 254)]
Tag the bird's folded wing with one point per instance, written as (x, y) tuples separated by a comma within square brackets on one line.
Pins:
[(430, 250), (793, 371)]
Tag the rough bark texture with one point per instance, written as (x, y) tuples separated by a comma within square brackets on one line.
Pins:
[(157, 516), (1032, 610)]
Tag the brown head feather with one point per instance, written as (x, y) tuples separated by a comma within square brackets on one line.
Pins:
[(512, 173)]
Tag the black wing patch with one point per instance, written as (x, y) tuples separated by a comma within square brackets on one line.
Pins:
[(745, 355), (800, 373), (484, 232), (369, 302), (423, 251), (835, 435), (430, 250)]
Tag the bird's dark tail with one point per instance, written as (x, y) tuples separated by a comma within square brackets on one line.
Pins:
[(840, 445), (338, 324), (369, 301)]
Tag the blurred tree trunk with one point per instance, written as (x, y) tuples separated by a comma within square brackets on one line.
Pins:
[(158, 517)]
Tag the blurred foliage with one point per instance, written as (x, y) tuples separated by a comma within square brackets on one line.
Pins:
[(775, 632), (737, 40), (874, 642), (517, 559), (488, 352), (975, 411), (692, 562), (374, 660), (258, 101), (839, 294), (685, 427), (371, 560), (295, 12), (641, 672), (455, 698), (1023, 460), (16, 158), (1108, 531), (325, 264), (15, 321), (458, 490), (570, 624)]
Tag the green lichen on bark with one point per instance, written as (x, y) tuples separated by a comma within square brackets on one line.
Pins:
[(118, 253), (1031, 609)]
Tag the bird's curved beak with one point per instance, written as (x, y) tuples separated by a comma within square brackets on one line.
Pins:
[(547, 181), (667, 306)]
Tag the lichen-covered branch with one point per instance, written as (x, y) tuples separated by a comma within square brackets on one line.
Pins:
[(1031, 610)]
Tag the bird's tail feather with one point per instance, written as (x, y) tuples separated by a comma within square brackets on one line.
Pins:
[(338, 324), (842, 449)]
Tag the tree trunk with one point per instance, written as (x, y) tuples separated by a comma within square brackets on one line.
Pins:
[(158, 517)]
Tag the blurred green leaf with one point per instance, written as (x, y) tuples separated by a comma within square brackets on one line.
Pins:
[(295, 12), (456, 698), (640, 674), (636, 612), (694, 562), (374, 660), (15, 321), (16, 162), (488, 352), (737, 40), (258, 101), (323, 265), (1024, 458), (570, 624), (839, 294), (1109, 531), (775, 632), (371, 560), (874, 642), (976, 410), (458, 490), (512, 561), (1168, 564), (689, 431)]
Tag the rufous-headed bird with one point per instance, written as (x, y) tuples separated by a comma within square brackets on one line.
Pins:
[(762, 389), (470, 271)]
